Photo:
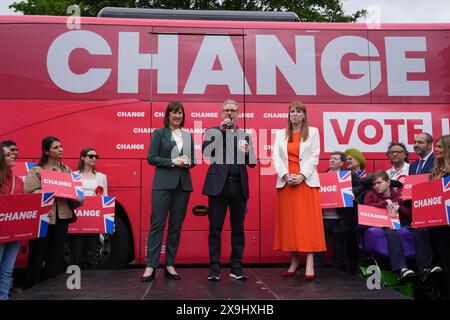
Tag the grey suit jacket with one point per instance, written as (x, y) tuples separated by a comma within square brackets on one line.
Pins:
[(160, 154)]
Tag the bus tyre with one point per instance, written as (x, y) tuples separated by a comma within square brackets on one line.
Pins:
[(115, 248)]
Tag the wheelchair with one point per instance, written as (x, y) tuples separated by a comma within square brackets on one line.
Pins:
[(373, 246)]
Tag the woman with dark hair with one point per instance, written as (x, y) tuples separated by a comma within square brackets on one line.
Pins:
[(172, 153), (298, 222), (441, 235), (9, 184), (46, 254), (94, 184)]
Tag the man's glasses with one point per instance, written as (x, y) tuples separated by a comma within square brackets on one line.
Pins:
[(92, 156), (395, 152), (229, 110)]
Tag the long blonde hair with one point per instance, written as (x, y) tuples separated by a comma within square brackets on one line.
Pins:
[(304, 130), (442, 166)]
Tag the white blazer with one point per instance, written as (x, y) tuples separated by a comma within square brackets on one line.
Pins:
[(308, 157), (101, 181)]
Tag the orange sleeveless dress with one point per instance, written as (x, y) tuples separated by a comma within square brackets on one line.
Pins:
[(298, 221)]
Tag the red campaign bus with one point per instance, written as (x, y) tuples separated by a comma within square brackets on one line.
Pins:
[(107, 82)]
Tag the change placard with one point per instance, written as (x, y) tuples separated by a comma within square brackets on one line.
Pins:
[(24, 216), (95, 216), (336, 189), (376, 217), (431, 203), (62, 184)]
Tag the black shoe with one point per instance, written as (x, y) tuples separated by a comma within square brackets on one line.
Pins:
[(406, 273), (173, 276), (149, 278), (214, 274), (238, 274)]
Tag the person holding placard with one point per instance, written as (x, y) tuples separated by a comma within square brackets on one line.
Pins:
[(385, 196), (94, 184), (9, 184), (46, 254), (441, 235)]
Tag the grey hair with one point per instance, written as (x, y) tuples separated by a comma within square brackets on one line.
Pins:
[(230, 101)]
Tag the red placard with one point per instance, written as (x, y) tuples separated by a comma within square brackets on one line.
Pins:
[(24, 216), (21, 169), (95, 216), (431, 203), (376, 217), (409, 182), (336, 189), (63, 184)]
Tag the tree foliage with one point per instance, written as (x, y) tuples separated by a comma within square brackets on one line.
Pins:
[(307, 10)]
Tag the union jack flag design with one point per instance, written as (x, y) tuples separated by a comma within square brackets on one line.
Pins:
[(109, 202), (80, 192), (395, 224), (76, 176), (109, 222), (446, 184), (347, 197), (30, 165), (344, 176), (447, 210), (48, 199), (361, 173), (44, 221)]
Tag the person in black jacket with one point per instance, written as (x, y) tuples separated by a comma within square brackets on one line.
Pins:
[(172, 152), (226, 185)]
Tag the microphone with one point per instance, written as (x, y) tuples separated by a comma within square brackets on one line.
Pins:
[(231, 123)]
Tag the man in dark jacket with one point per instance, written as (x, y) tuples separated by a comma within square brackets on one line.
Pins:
[(226, 185), (423, 145)]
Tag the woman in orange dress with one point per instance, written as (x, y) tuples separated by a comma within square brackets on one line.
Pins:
[(298, 224)]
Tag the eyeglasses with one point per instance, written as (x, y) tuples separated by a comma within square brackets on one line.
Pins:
[(92, 156), (229, 110), (7, 155), (395, 152)]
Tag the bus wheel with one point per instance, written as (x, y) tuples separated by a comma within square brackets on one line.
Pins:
[(111, 250)]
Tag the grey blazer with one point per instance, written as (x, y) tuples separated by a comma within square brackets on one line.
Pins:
[(160, 154)]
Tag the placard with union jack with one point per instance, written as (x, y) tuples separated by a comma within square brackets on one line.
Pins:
[(63, 184), (21, 169), (24, 216), (376, 217), (431, 203), (95, 216), (336, 189)]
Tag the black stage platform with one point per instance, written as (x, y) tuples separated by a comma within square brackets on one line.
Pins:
[(262, 284)]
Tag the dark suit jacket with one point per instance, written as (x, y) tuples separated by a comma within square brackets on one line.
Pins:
[(427, 167), (218, 169), (160, 154)]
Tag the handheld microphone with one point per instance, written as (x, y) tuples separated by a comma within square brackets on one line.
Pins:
[(231, 123)]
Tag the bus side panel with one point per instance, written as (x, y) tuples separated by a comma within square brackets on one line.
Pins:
[(415, 66)]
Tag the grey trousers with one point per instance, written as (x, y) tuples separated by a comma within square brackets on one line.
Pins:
[(164, 201)]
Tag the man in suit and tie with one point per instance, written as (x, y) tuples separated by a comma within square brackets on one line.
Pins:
[(423, 146), (230, 150)]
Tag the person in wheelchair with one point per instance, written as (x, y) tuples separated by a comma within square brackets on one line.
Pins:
[(383, 195)]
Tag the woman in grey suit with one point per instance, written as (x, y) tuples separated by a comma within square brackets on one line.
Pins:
[(172, 152)]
